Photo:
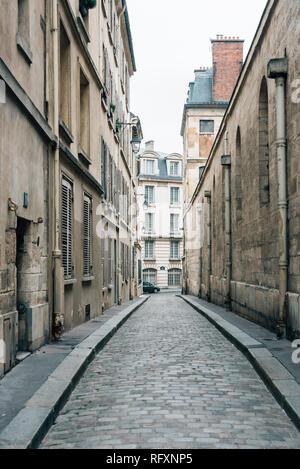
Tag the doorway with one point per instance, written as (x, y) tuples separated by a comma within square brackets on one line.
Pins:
[(22, 262)]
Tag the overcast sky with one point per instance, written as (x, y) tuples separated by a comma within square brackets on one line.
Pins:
[(171, 39)]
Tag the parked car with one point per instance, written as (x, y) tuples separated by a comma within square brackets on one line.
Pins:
[(150, 288)]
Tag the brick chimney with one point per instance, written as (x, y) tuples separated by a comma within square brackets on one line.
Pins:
[(228, 55)]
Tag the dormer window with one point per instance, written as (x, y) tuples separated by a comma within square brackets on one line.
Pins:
[(149, 166), (174, 168)]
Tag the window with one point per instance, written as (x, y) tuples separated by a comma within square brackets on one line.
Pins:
[(264, 176), (65, 76), (66, 223), (87, 228), (149, 249), (174, 278), (174, 195), (109, 262), (149, 222), (103, 266), (84, 113), (207, 127), (24, 20), (174, 168), (139, 271), (104, 167), (149, 166), (150, 275), (174, 222), (174, 250), (149, 194)]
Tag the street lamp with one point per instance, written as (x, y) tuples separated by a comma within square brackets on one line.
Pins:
[(136, 143)]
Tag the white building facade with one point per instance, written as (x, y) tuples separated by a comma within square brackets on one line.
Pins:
[(160, 199)]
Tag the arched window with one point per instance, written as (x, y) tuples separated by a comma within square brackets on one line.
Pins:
[(238, 177), (264, 178), (150, 275), (174, 278)]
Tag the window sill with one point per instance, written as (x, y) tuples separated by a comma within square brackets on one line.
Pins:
[(175, 260), (66, 133), (104, 9), (24, 48), (88, 279), (83, 28), (84, 157), (149, 259), (70, 281)]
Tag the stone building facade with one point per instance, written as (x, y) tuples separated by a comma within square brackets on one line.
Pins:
[(68, 183), (160, 200), (242, 244)]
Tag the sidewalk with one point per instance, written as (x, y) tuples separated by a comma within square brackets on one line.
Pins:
[(271, 357), (32, 393)]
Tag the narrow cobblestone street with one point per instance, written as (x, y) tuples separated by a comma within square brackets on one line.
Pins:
[(169, 379)]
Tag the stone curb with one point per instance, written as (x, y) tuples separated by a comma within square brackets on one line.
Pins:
[(276, 377), (32, 423)]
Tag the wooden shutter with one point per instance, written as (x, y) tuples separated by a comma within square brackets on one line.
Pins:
[(87, 203), (67, 228)]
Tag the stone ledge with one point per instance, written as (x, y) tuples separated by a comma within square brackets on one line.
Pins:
[(32, 423), (276, 377)]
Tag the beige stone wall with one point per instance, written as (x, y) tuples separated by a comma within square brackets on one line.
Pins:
[(86, 48), (255, 227), (24, 149)]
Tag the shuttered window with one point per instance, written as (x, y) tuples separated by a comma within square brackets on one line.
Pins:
[(149, 222), (174, 195), (149, 249), (149, 195), (110, 261), (87, 224), (174, 248), (104, 167), (103, 267), (174, 222), (149, 167), (174, 168), (66, 223)]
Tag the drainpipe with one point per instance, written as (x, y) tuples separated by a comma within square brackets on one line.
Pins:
[(57, 307), (278, 69), (207, 195), (226, 163)]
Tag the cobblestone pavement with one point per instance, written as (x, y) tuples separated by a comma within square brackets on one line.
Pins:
[(169, 379)]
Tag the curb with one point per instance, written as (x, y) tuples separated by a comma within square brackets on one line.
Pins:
[(31, 424), (280, 382)]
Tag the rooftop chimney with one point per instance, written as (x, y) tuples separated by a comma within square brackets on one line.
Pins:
[(150, 145), (228, 56)]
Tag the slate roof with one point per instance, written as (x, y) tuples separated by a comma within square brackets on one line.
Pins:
[(201, 90), (163, 170)]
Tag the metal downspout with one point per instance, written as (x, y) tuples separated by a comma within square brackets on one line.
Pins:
[(56, 189)]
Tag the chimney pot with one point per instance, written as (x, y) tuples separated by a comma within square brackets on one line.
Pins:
[(150, 145)]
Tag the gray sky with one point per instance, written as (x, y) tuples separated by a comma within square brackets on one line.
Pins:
[(171, 39)]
